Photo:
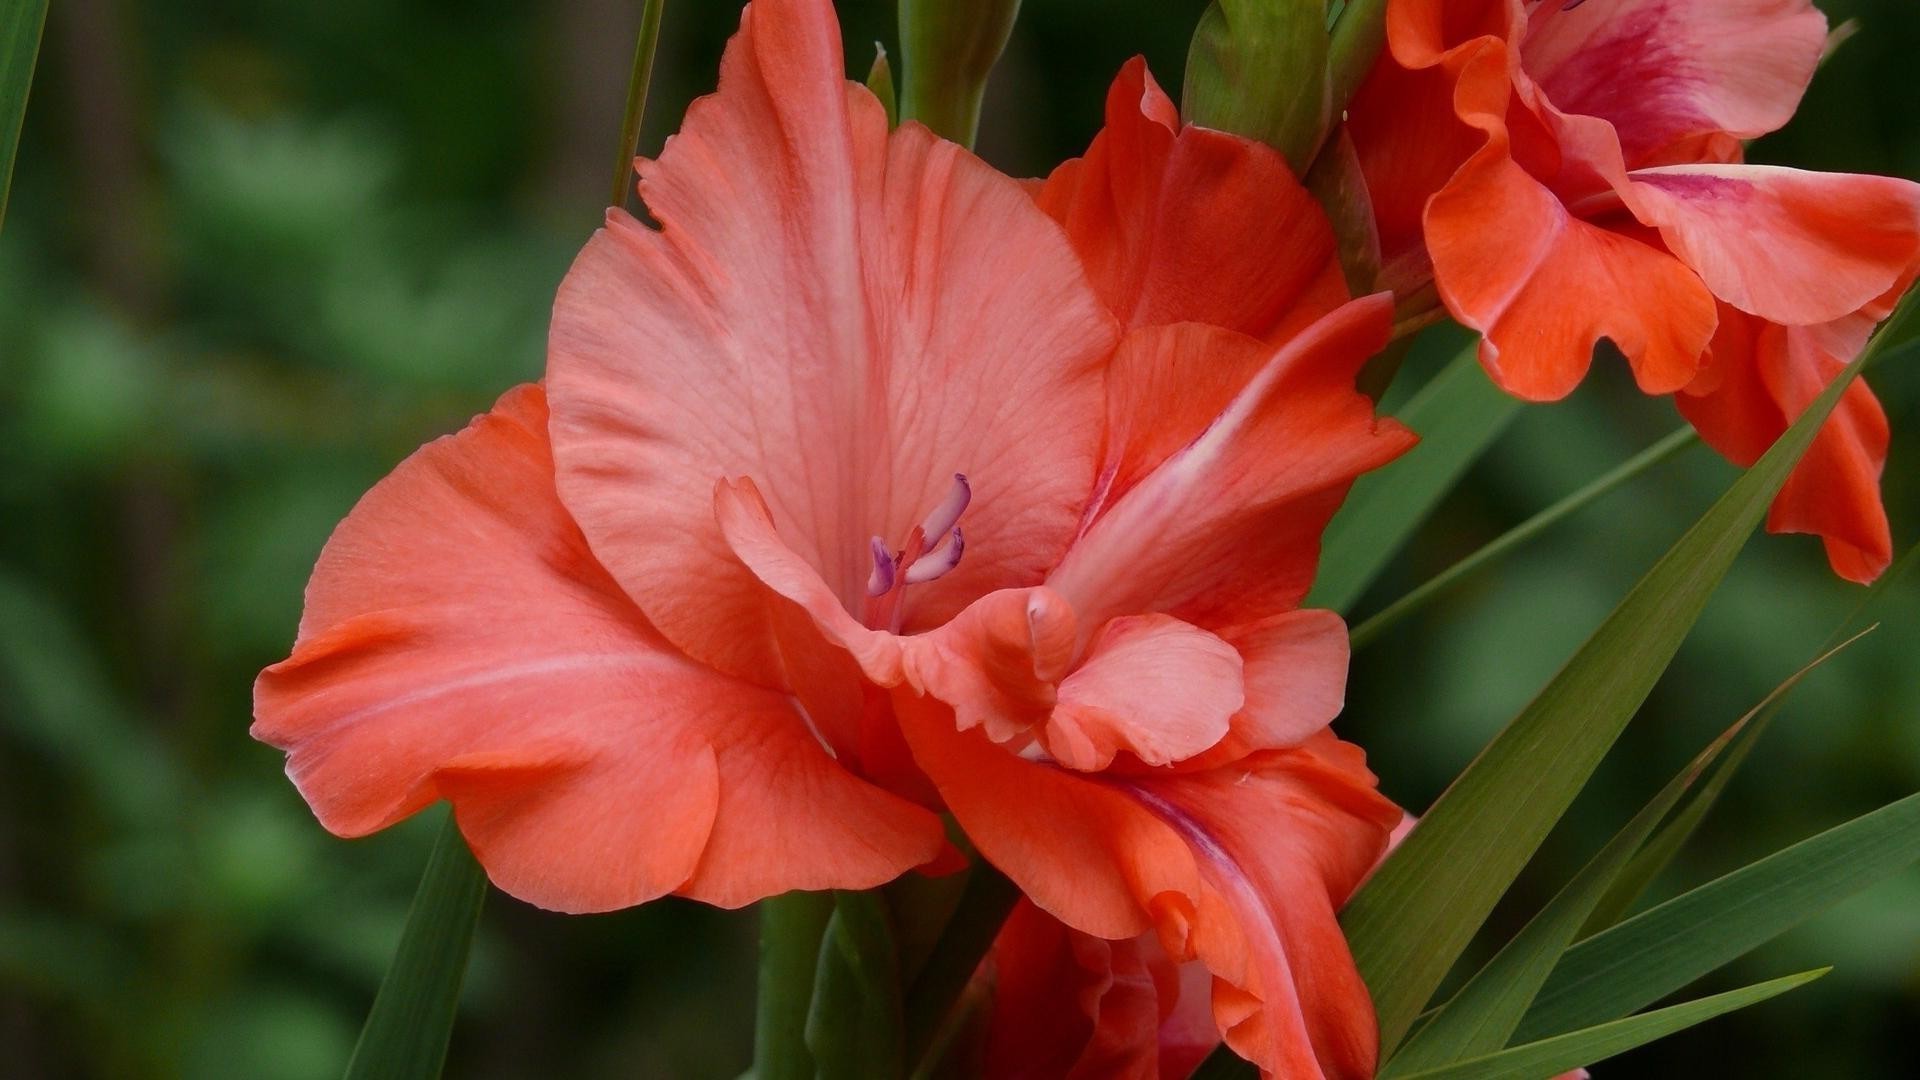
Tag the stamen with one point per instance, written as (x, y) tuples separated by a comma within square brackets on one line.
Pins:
[(938, 561), (880, 581), (947, 514)]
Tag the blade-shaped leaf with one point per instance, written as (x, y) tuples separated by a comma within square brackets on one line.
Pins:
[(1485, 1012), (1359, 33), (412, 1018), (1666, 844), (880, 81), (1666, 947), (947, 49), (20, 26), (854, 1026), (645, 44), (1413, 918), (1574, 1050), (1458, 415)]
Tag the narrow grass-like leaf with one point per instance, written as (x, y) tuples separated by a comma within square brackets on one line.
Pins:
[(1588, 494), (853, 1026), (1550, 1057), (1458, 415), (20, 26), (412, 1019), (1666, 844), (1359, 33), (947, 50), (645, 44), (1414, 917), (791, 926), (1666, 947), (1485, 1012)]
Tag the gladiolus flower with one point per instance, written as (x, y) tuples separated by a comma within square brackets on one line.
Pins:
[(845, 499), (1571, 172)]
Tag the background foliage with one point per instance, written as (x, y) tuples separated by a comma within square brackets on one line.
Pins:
[(258, 251)]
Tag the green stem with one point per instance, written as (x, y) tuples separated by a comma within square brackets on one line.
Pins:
[(791, 926), (643, 49), (983, 908), (1372, 628)]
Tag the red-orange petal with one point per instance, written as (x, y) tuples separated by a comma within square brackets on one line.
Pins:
[(1186, 224), (460, 641), (1241, 868)]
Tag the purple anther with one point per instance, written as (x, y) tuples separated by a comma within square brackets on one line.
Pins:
[(947, 514), (880, 581), (938, 561)]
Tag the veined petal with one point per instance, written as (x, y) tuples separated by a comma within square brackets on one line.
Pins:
[(1665, 72), (1187, 224), (845, 317), (1787, 245), (461, 642), (1239, 868), (1226, 529)]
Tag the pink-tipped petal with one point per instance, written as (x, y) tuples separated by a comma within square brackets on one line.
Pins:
[(1789, 246)]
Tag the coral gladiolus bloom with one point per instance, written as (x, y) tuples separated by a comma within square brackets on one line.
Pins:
[(846, 499), (1573, 172)]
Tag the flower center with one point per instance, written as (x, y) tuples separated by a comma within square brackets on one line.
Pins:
[(932, 549)]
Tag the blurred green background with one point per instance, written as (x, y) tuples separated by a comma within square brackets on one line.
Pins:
[(258, 251)]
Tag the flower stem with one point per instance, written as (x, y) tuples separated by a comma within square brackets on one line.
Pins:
[(984, 906), (1653, 455), (643, 50), (791, 926)]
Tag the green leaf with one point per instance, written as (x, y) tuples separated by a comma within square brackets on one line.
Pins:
[(880, 81), (791, 928), (1666, 947), (1258, 68), (412, 1018), (1666, 844), (1600, 487), (645, 44), (1550, 1057), (1458, 415), (1484, 1013), (20, 26), (947, 50), (1414, 917), (854, 1025)]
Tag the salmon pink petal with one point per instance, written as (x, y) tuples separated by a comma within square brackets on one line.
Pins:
[(847, 318), (461, 642), (1790, 246), (1241, 868), (1769, 374), (1545, 286), (1663, 72), (999, 663), (1294, 669), (1187, 224), (1226, 529), (1153, 686)]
